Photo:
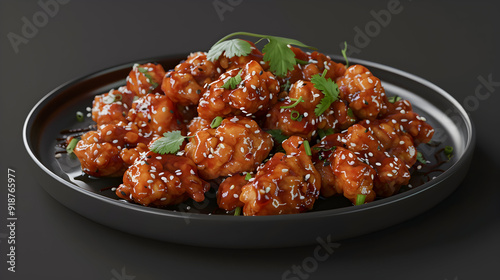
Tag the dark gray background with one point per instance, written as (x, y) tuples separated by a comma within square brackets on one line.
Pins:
[(449, 43)]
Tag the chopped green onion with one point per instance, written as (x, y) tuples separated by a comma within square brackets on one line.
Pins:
[(300, 61), (295, 115), (237, 211), (421, 158), (307, 147), (248, 176), (148, 76), (297, 101), (216, 122), (360, 199), (71, 146), (79, 116), (448, 151), (394, 99), (345, 55)]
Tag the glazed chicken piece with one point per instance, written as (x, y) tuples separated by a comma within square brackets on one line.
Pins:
[(393, 139), (293, 117), (342, 172), (286, 184), (311, 64), (145, 79), (186, 83), (237, 145), (197, 124), (160, 180), (154, 114), (228, 195), (363, 92), (391, 172), (338, 117), (254, 94), (112, 107), (241, 61), (99, 151), (415, 125)]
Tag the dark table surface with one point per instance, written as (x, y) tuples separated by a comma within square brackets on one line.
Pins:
[(451, 43)]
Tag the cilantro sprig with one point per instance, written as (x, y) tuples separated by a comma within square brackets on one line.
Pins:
[(280, 57), (329, 89), (170, 143), (277, 134), (233, 82)]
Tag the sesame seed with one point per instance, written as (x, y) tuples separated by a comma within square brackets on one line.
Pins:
[(153, 176), (235, 195), (284, 170), (150, 181)]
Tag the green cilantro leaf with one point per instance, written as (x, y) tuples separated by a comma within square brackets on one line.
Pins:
[(233, 82), (277, 134), (280, 57), (170, 143), (324, 132), (329, 89), (234, 47), (248, 176)]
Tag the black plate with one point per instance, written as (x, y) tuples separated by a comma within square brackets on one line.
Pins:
[(332, 218)]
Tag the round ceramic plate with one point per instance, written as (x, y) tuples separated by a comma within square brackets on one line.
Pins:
[(201, 224)]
